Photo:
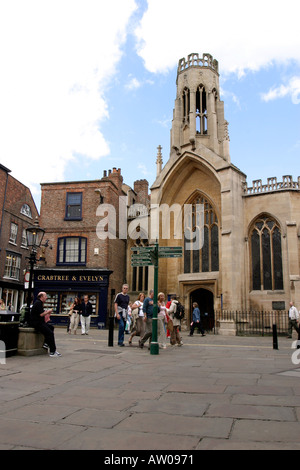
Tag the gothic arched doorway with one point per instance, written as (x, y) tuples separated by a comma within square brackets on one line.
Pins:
[(205, 300)]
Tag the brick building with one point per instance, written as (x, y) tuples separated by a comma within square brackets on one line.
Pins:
[(88, 249), (17, 212)]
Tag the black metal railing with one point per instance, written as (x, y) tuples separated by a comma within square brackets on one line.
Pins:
[(254, 322)]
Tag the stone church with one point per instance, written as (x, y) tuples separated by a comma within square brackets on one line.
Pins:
[(249, 257)]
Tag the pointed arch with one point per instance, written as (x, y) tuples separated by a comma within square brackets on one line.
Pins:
[(265, 246), (203, 222), (201, 110)]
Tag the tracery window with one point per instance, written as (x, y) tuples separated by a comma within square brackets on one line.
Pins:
[(140, 274), (202, 223), (266, 255), (201, 110)]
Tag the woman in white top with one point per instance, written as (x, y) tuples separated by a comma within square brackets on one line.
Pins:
[(137, 318), (162, 319)]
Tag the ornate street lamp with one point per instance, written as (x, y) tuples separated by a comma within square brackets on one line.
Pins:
[(34, 239)]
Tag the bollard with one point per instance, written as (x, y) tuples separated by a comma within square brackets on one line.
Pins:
[(111, 331), (2, 353), (275, 339)]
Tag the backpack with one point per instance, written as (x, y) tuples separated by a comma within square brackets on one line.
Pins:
[(179, 314)]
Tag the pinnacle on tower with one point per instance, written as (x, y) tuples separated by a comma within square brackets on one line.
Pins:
[(159, 161)]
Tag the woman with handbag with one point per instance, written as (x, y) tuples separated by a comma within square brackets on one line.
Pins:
[(138, 324), (75, 315)]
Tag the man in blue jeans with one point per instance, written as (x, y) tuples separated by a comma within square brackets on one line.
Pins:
[(121, 311)]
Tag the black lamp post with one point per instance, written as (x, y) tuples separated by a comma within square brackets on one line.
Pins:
[(34, 237)]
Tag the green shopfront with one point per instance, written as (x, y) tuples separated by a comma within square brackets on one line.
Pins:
[(63, 285)]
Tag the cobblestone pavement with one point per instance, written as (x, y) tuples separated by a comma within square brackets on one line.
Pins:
[(214, 392)]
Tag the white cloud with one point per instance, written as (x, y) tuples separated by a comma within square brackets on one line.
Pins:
[(133, 83), (240, 35), (56, 57), (292, 89), (144, 170)]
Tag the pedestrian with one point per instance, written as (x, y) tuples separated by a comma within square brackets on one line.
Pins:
[(85, 317), (161, 321), (196, 320), (169, 321), (293, 320), (121, 311), (175, 335), (75, 311), (148, 316), (138, 324), (37, 321), (129, 319)]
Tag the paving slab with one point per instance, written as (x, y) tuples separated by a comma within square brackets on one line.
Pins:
[(214, 392)]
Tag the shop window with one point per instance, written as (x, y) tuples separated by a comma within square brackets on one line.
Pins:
[(12, 266), (266, 255), (74, 206), (71, 250), (66, 300)]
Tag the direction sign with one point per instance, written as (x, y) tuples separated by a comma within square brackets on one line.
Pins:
[(170, 255), (143, 248), (170, 252), (149, 255), (141, 262), (170, 249)]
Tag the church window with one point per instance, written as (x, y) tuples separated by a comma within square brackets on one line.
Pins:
[(140, 274), (201, 111), (266, 255), (186, 105), (205, 257)]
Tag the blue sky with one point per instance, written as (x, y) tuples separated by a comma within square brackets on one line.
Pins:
[(88, 85)]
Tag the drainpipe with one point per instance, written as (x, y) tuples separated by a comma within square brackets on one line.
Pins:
[(4, 200)]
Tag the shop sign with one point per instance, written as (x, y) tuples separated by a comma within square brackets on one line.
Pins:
[(70, 278)]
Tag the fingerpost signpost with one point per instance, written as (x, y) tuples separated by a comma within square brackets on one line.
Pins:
[(149, 256)]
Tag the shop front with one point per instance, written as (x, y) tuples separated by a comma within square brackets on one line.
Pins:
[(63, 285)]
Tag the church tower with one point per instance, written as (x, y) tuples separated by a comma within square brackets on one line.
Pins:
[(199, 114), (199, 173)]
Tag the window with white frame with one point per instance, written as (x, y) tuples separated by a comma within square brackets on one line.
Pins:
[(12, 266), (71, 250), (13, 233), (24, 238)]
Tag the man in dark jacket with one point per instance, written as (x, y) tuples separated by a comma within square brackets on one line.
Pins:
[(85, 318), (37, 321), (121, 311)]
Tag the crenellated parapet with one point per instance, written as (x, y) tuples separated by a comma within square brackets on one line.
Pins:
[(287, 183), (195, 60)]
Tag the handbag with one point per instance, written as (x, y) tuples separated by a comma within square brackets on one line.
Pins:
[(170, 326)]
